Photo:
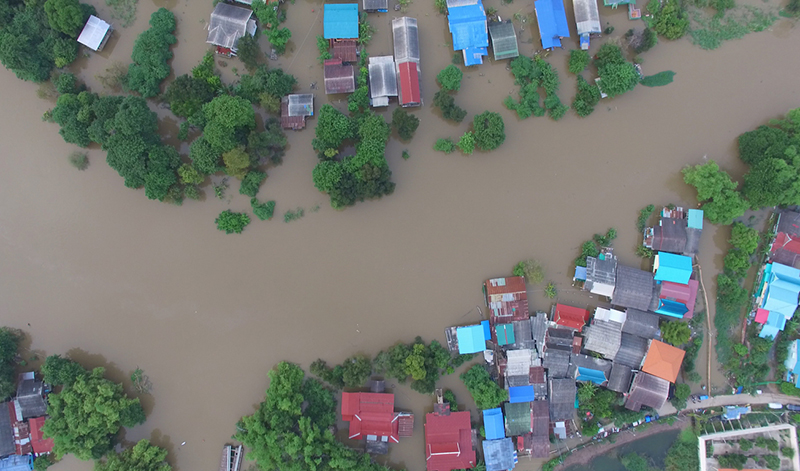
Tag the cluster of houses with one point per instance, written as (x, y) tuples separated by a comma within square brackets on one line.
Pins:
[(21, 421)]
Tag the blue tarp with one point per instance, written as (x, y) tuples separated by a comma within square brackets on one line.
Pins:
[(341, 21), (493, 424), (695, 219), (580, 273), (588, 374), (674, 268), (520, 394), (552, 21), (470, 339), (17, 463), (671, 308), (487, 330), (467, 25)]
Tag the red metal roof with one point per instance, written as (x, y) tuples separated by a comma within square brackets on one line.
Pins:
[(786, 249), (344, 50), (536, 375), (371, 414), (22, 434), (576, 344), (448, 442), (572, 317), (762, 315), (40, 444), (507, 299), (408, 76), (686, 294), (291, 122)]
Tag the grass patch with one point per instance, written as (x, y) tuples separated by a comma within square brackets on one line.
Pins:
[(123, 10), (710, 32)]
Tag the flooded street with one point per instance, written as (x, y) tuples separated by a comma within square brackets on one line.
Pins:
[(116, 280)]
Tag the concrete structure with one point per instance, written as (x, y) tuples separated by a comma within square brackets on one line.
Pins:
[(745, 433)]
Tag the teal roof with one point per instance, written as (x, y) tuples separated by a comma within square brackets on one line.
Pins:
[(493, 425), (674, 268), (786, 272), (695, 219), (505, 334), (588, 374), (768, 331), (340, 21), (672, 308), (487, 330), (780, 299), (470, 339)]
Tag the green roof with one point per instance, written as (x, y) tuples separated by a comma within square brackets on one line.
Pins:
[(504, 41), (518, 418), (505, 334)]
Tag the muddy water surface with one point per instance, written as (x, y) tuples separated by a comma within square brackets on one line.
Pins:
[(116, 280)]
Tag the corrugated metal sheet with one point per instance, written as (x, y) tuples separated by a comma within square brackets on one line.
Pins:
[(382, 77), (405, 35), (94, 33), (340, 21), (603, 337), (633, 289), (345, 50), (552, 20), (339, 78), (632, 350), (6, 431), (587, 16), (647, 390), (620, 379), (504, 40), (408, 77), (640, 323), (375, 5), (228, 23), (468, 29), (499, 455)]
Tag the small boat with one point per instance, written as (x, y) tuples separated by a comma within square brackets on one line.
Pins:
[(231, 458)]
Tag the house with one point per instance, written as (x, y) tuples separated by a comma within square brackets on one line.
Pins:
[(375, 6), (22, 432), (559, 339), (603, 337), (632, 350), (499, 455), (552, 19), (345, 49), (518, 418), (671, 267), (676, 300), (633, 288), (587, 17), (792, 364), (371, 416), (507, 298), (493, 425), (7, 446), (586, 368), (518, 367), (562, 393), (466, 20), (640, 323), (647, 390), (382, 80), (778, 298), (17, 463), (295, 108), (678, 231), (30, 397), (571, 317), (539, 331), (339, 77), (523, 335), (448, 441), (538, 442), (620, 379), (538, 379), (505, 334), (601, 275), (519, 394), (785, 248), (663, 361), (228, 24), (504, 40), (340, 21), (95, 33), (557, 363), (471, 338), (41, 445), (405, 35)]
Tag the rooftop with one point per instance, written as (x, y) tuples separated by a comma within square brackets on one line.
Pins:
[(647, 390), (557, 363), (6, 431), (640, 323), (339, 78), (504, 40), (228, 23), (569, 316), (601, 275), (632, 350), (340, 21), (499, 455), (376, 5), (493, 425), (471, 339), (663, 361), (672, 267), (620, 379), (552, 19), (94, 33), (562, 399), (468, 29), (382, 77), (518, 418), (587, 16), (39, 443), (448, 442), (634, 288), (603, 337), (30, 397), (370, 414), (507, 297)]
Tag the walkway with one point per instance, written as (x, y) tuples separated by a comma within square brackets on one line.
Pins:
[(732, 400)]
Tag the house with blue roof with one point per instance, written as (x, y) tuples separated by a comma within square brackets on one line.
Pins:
[(776, 322), (340, 21), (493, 424), (518, 394), (673, 268), (17, 463), (467, 23), (694, 219), (779, 298), (792, 364), (472, 338), (552, 19)]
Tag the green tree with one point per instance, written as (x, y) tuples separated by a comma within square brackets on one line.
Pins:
[(264, 211), (682, 392), (617, 79), (204, 159), (186, 95), (42, 462), (764, 142), (671, 20), (773, 462), (715, 185), (730, 295), (682, 455), (446, 103), (449, 78), (142, 457), (485, 392), (322, 46), (744, 238), (251, 183), (67, 16), (404, 123), (635, 462), (737, 263), (278, 37), (190, 175), (467, 143), (578, 61), (732, 460), (333, 128), (248, 51), (9, 343), (771, 182), (232, 223), (489, 130), (356, 371), (445, 145), (586, 392), (586, 99), (237, 162), (415, 362), (649, 40), (151, 53), (228, 120), (85, 417), (675, 332)]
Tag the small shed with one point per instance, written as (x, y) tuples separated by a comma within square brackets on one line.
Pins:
[(552, 20), (601, 275), (504, 40), (340, 21), (95, 33), (339, 77), (382, 80), (375, 6), (493, 424), (499, 455), (229, 23), (295, 108)]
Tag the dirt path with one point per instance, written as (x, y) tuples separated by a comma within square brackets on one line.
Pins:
[(709, 330)]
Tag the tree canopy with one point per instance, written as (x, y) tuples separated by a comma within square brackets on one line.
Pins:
[(404, 123), (142, 457), (67, 16), (723, 202), (9, 343), (617, 75), (489, 130), (228, 120), (485, 391), (59, 371), (151, 53), (578, 60), (675, 332), (449, 78), (232, 223), (186, 95)]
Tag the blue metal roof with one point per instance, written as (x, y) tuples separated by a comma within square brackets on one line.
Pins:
[(777, 320), (786, 272), (341, 21), (671, 308), (768, 331), (580, 273), (795, 369), (474, 55), (493, 424), (779, 299), (470, 339), (17, 463), (552, 21), (674, 268), (588, 374), (467, 25), (487, 330), (695, 219), (520, 394)]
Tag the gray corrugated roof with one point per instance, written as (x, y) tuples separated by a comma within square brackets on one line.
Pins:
[(587, 16), (518, 418), (539, 330), (504, 40), (692, 241), (602, 272), (789, 223), (30, 399), (647, 390), (498, 454), (620, 379), (406, 40), (641, 323), (375, 5), (523, 337), (632, 350), (228, 24), (382, 77), (518, 380), (562, 399), (560, 338), (634, 288), (603, 337), (557, 363), (670, 235), (6, 432), (586, 361)]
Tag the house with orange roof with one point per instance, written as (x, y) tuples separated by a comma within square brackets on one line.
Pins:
[(663, 361)]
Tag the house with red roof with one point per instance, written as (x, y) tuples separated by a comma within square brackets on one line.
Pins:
[(569, 316), (785, 248), (507, 298), (448, 440), (372, 418), (41, 445)]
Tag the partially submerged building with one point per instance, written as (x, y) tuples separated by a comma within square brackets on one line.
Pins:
[(601, 275), (785, 248), (340, 21), (30, 401), (570, 316), (339, 77), (562, 393), (372, 418), (673, 268), (295, 108), (678, 231), (405, 35), (229, 23), (647, 390), (382, 80), (552, 20), (375, 6), (507, 298), (663, 361), (448, 441), (95, 33), (633, 289), (470, 338), (504, 40), (499, 455), (587, 18), (467, 22), (777, 298), (493, 425)]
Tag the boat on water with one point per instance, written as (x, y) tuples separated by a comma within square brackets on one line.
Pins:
[(231, 458)]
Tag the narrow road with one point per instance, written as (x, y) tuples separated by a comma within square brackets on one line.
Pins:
[(732, 400), (709, 330)]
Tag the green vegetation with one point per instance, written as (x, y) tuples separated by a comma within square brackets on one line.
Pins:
[(466, 143), (290, 215), (249, 52), (772, 461), (530, 75), (365, 29), (41, 463), (263, 211), (449, 397), (591, 248), (644, 252), (682, 455), (123, 10), (323, 47), (644, 215), (732, 460), (447, 104), (550, 290), (232, 223), (658, 80), (647, 41), (531, 269), (788, 452), (722, 203), (600, 402), (485, 391), (187, 94), (79, 160), (142, 457), (682, 392), (405, 155), (445, 145), (670, 20), (441, 6), (745, 444), (617, 75), (9, 343), (151, 53), (578, 61), (710, 32), (404, 123), (271, 16), (635, 462), (489, 130), (449, 78), (586, 99), (352, 373), (675, 332), (67, 16), (141, 382), (251, 181)]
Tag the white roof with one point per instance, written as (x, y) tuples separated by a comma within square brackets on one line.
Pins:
[(93, 33), (519, 362), (612, 315)]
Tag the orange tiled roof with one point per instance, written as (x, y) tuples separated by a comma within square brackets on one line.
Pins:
[(663, 361)]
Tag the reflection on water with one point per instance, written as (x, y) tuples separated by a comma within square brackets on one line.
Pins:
[(654, 448)]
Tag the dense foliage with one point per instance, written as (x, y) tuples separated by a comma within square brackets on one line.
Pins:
[(9, 342), (449, 78), (151, 53), (67, 16), (658, 80), (423, 363), (485, 391), (445, 145), (263, 211), (675, 332), (722, 203), (142, 457), (617, 75), (530, 75), (531, 269), (271, 16), (489, 130), (671, 20), (682, 455), (60, 371), (578, 61), (232, 223), (248, 51), (586, 99), (404, 123), (447, 104)]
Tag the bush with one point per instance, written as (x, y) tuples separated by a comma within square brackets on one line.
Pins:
[(671, 20), (232, 223), (79, 160), (445, 145), (586, 99), (263, 211), (732, 460), (467, 143), (658, 80), (450, 78), (745, 444), (773, 462), (489, 130), (675, 333), (578, 61), (550, 290), (251, 183), (485, 391), (644, 215), (446, 103), (788, 452), (405, 123), (532, 270)]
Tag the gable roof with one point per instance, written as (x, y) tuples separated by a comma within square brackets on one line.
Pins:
[(640, 323), (601, 275), (470, 339), (663, 361), (562, 399), (345, 49), (557, 363), (505, 334), (340, 21), (520, 394), (493, 424), (228, 23), (519, 362), (94, 33), (38, 442), (569, 316), (539, 331), (786, 247), (339, 77), (30, 397), (375, 5), (499, 455), (370, 414), (672, 267), (632, 350), (603, 337), (620, 379), (507, 297), (467, 24), (540, 418), (552, 19), (670, 235), (405, 36), (523, 336), (382, 77), (408, 76), (518, 418), (647, 390), (7, 446), (634, 288), (587, 16), (504, 40), (448, 442), (586, 368), (686, 295)]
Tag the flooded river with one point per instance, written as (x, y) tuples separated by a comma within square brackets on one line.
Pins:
[(113, 279)]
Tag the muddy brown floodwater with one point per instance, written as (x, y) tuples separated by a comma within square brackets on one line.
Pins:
[(113, 279)]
